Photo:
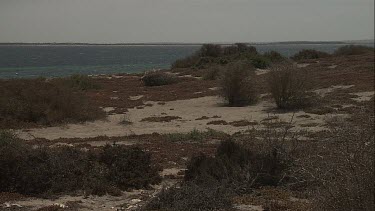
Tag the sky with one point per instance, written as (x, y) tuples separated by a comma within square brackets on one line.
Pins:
[(139, 21)]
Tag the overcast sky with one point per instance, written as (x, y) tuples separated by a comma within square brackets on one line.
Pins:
[(112, 21)]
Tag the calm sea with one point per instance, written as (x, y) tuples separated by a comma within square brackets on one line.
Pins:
[(27, 61)]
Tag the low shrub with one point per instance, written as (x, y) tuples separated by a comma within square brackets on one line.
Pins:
[(237, 85), (238, 166), (353, 50), (80, 82), (260, 62), (41, 170), (212, 73), (288, 87), (191, 197), (235, 169), (309, 54), (159, 79), (274, 57), (25, 101), (187, 62)]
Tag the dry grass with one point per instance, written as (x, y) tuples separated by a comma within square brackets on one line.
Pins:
[(343, 167), (41, 102)]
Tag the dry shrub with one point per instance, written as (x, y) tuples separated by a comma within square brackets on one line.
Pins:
[(288, 86), (159, 79), (191, 197), (309, 54), (43, 102), (41, 170), (213, 73), (353, 50), (79, 82), (238, 86), (342, 167)]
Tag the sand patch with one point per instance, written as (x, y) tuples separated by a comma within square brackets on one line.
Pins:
[(187, 110), (324, 91), (303, 65), (138, 97), (363, 96), (261, 71)]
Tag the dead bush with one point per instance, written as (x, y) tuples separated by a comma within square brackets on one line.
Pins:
[(238, 86), (41, 170), (159, 79), (353, 50), (289, 87), (309, 54), (342, 167), (37, 101), (191, 197)]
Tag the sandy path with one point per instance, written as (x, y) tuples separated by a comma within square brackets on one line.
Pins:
[(187, 110)]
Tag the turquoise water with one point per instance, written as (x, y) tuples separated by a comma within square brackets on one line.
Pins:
[(27, 61)]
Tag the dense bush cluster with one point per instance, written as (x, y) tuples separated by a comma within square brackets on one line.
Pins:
[(237, 85), (41, 170), (274, 56), (43, 102), (210, 181), (159, 79), (353, 50), (309, 54)]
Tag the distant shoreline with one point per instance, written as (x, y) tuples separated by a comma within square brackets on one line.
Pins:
[(191, 44)]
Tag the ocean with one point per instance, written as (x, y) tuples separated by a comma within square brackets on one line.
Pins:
[(29, 61)]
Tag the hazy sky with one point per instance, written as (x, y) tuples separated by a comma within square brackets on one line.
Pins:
[(111, 21)]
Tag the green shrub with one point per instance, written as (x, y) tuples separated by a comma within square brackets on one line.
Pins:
[(80, 82), (260, 62), (159, 79), (43, 102), (187, 62), (237, 85), (288, 87), (309, 54), (353, 50), (41, 170), (274, 56)]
